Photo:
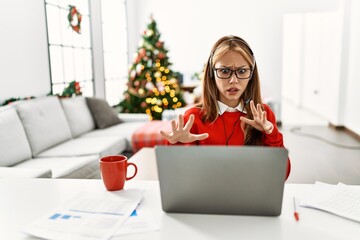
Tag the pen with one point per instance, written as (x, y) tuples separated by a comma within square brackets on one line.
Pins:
[(296, 213)]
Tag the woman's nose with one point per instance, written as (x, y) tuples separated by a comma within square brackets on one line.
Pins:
[(233, 78)]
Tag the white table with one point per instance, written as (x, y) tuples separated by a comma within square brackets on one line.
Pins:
[(145, 160), (24, 200)]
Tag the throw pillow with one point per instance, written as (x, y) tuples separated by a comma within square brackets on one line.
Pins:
[(104, 115)]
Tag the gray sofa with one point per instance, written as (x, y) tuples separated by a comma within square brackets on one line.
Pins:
[(60, 138)]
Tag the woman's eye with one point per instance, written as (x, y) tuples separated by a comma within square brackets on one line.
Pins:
[(241, 71), (224, 70)]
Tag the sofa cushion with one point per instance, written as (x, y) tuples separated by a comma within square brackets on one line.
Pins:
[(99, 146), (14, 146), (78, 115), (14, 172), (66, 167), (125, 129), (44, 122), (104, 115)]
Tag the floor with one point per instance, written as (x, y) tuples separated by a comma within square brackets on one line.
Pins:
[(318, 152)]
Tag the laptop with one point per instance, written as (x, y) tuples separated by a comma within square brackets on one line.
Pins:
[(230, 180)]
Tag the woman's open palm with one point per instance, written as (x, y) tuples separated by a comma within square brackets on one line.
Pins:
[(260, 121), (181, 133)]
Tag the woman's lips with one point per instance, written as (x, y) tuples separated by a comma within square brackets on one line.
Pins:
[(232, 91)]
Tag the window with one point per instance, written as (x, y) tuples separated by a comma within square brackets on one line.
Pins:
[(70, 53), (114, 27)]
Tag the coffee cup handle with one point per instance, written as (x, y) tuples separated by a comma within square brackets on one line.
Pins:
[(128, 164)]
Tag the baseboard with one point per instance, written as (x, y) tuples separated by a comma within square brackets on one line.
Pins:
[(346, 130)]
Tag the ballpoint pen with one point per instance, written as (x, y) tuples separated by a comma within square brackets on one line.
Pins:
[(296, 213)]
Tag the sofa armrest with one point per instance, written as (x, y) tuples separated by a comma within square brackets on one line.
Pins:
[(17, 172), (133, 117)]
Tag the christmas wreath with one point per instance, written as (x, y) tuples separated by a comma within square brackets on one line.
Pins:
[(74, 18)]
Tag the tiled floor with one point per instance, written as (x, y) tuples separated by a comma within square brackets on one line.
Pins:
[(318, 152)]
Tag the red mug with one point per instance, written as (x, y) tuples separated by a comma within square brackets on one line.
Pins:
[(113, 171)]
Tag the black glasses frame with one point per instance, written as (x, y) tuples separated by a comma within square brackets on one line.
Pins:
[(232, 71)]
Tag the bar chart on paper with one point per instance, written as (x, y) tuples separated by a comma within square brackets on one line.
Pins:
[(59, 216)]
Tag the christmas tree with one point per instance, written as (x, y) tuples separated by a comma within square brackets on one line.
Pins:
[(152, 85)]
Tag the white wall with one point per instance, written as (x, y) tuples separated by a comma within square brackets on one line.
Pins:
[(352, 98), (322, 62), (24, 62), (321, 56), (293, 54)]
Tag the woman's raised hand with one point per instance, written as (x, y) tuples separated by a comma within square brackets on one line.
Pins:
[(260, 121), (181, 133)]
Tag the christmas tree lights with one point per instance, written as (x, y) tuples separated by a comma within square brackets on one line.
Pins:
[(152, 85)]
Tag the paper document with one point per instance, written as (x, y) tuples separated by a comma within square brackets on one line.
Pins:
[(340, 199), (87, 216), (141, 220)]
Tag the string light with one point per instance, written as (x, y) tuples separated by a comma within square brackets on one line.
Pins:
[(151, 80)]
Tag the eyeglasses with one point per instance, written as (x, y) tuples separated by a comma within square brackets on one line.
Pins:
[(226, 73)]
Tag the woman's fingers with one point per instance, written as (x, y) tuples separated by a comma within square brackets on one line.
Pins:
[(264, 120), (197, 137), (168, 136), (181, 122), (260, 121), (164, 134), (253, 109), (189, 123), (181, 133), (173, 126), (248, 121), (259, 110)]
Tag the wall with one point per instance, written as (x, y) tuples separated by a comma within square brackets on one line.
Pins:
[(24, 58), (352, 96), (320, 62)]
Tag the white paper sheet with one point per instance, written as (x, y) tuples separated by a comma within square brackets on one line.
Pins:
[(87, 216), (340, 199), (141, 220)]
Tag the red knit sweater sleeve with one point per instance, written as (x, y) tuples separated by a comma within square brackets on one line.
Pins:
[(275, 138)]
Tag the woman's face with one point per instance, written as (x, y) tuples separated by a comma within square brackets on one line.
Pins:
[(232, 88)]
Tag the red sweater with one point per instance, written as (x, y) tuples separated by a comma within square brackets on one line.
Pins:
[(233, 134)]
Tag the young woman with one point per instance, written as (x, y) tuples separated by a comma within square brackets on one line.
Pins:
[(231, 111)]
